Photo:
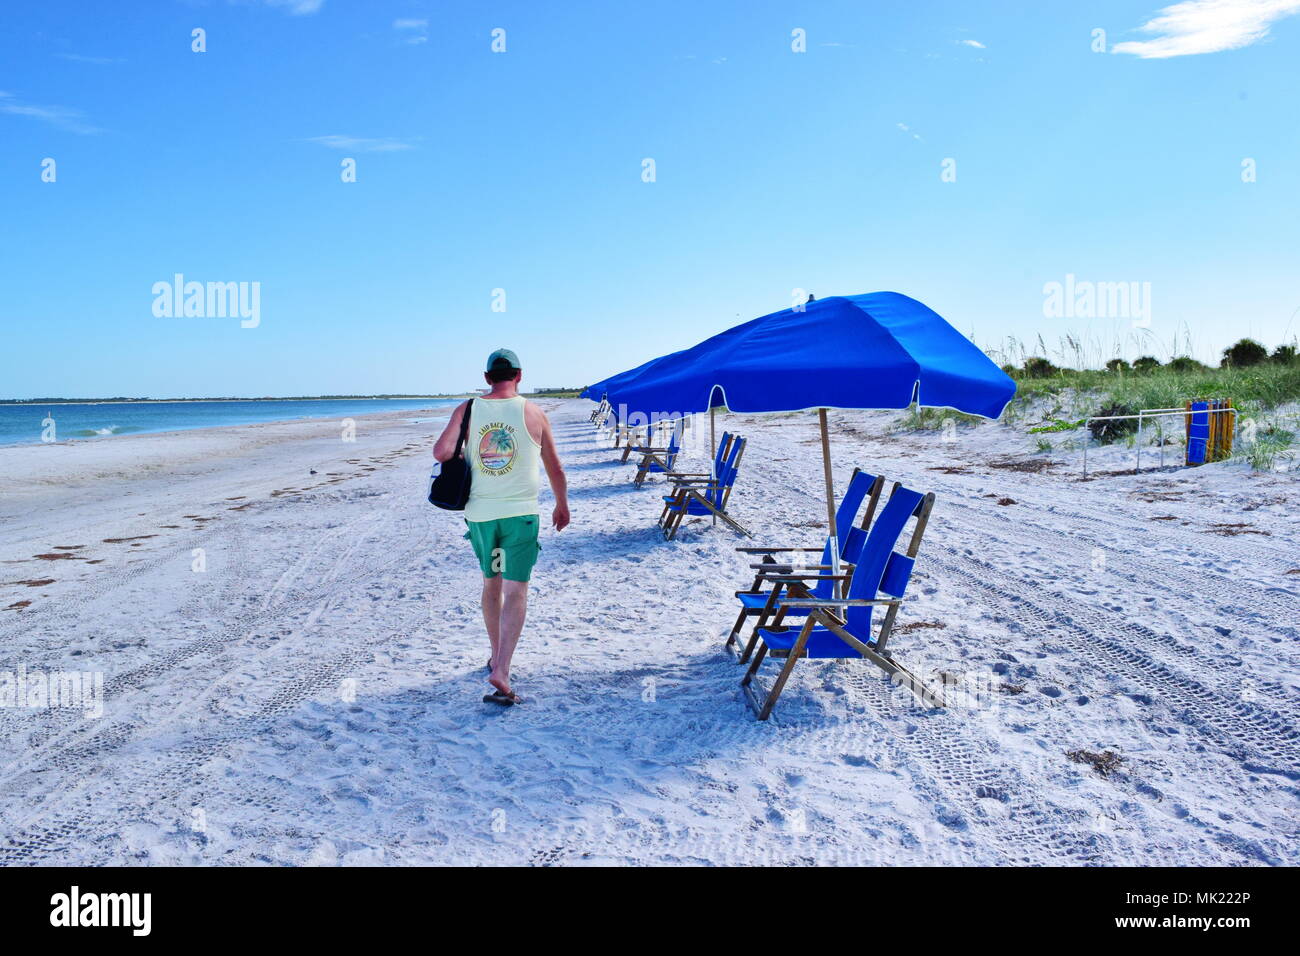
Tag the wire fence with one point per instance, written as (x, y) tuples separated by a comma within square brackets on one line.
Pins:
[(1142, 417)]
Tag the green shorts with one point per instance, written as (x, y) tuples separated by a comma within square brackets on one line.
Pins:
[(506, 546)]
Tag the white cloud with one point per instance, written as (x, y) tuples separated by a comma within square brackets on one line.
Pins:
[(360, 144), (298, 7), (975, 43), (911, 132), (415, 31), (70, 120), (1207, 26), (97, 60)]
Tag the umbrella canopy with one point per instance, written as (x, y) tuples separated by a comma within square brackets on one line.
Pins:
[(873, 351), (602, 389)]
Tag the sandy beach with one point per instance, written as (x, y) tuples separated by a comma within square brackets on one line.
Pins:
[(292, 663)]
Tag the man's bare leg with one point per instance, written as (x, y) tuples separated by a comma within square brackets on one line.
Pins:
[(514, 608), (492, 611)]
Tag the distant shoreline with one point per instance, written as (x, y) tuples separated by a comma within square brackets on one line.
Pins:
[(267, 398), (545, 393)]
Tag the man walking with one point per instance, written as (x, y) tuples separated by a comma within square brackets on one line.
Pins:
[(508, 436)]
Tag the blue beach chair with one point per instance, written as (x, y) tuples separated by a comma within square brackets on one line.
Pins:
[(719, 459), (760, 601), (659, 460), (704, 497), (841, 627)]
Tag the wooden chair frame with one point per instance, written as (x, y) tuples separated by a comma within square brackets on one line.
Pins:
[(769, 572), (822, 611), (695, 490), (662, 456)]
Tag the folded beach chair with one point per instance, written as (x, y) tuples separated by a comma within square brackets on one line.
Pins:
[(760, 600), (600, 413), (704, 496), (1198, 432), (655, 460), (841, 627)]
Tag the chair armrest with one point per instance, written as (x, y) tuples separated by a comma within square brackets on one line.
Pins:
[(796, 578), (773, 566), (836, 602)]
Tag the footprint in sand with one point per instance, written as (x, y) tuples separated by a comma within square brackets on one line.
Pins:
[(138, 537), (18, 605), (58, 556), (35, 582)]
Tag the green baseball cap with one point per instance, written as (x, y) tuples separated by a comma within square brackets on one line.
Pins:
[(502, 358)]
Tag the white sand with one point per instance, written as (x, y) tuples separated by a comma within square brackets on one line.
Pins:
[(230, 733)]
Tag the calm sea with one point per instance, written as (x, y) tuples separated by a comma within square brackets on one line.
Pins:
[(24, 424)]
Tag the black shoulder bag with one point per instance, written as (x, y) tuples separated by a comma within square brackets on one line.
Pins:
[(450, 486)]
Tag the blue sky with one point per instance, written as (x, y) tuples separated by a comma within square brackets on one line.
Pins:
[(522, 171)]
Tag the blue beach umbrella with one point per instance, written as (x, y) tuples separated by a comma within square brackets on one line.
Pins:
[(881, 350), (607, 386)]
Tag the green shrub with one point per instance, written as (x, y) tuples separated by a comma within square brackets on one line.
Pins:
[(932, 419), (1283, 355), (1036, 367), (1109, 431), (1264, 453), (1243, 354)]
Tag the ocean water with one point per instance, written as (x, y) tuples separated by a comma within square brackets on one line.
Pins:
[(25, 424)]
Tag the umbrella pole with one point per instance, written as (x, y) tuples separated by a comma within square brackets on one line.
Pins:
[(713, 444), (830, 496)]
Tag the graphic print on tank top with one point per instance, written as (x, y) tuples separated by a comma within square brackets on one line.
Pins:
[(496, 448)]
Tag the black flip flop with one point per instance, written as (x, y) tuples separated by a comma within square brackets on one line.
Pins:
[(502, 700)]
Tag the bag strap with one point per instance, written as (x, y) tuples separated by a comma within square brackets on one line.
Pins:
[(464, 428)]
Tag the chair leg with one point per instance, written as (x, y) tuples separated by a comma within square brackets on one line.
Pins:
[(759, 624), (795, 653), (735, 628), (749, 647), (753, 667)]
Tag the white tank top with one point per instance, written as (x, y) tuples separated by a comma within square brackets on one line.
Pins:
[(503, 458)]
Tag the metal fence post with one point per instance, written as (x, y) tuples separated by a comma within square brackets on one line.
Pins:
[(1137, 466)]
